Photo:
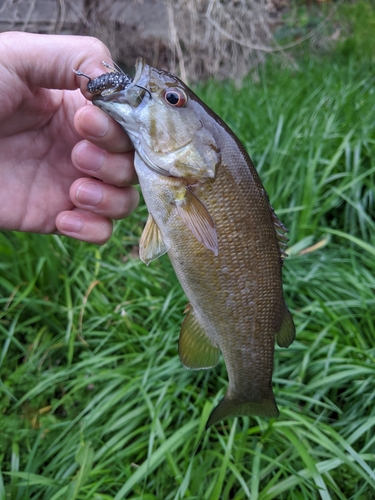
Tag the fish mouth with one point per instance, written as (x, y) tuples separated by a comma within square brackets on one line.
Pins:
[(134, 92)]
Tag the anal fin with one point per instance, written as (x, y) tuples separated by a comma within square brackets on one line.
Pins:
[(195, 347)]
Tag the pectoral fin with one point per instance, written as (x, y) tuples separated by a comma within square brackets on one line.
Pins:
[(287, 332), (196, 217), (195, 347), (151, 245)]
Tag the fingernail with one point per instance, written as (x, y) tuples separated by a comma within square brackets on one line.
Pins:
[(88, 157), (89, 194), (71, 224), (97, 126)]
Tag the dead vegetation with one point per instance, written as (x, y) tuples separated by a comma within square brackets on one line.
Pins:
[(193, 38), (221, 38)]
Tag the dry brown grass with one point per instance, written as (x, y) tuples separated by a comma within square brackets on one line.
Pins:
[(195, 39), (218, 37)]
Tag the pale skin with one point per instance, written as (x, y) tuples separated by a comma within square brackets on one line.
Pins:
[(65, 166)]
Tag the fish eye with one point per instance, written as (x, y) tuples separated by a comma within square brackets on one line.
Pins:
[(175, 97)]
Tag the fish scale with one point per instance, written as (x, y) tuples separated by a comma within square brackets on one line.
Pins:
[(209, 211)]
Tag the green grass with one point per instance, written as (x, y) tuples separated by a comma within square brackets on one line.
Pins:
[(94, 401)]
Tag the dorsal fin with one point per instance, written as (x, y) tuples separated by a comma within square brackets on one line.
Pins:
[(280, 231)]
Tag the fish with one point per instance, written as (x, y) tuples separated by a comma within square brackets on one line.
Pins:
[(208, 210)]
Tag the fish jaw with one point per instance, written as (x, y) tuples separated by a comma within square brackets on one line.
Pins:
[(119, 106)]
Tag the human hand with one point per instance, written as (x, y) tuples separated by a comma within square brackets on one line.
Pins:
[(52, 181)]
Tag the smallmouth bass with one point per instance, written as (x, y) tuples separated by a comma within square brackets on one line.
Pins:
[(209, 211)]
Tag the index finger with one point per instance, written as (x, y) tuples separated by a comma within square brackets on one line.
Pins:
[(48, 61)]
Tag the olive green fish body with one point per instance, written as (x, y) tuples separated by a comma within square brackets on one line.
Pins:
[(209, 211)]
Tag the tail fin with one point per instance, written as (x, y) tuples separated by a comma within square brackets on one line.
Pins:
[(234, 408)]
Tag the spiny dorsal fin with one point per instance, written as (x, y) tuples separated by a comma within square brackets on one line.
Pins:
[(280, 231)]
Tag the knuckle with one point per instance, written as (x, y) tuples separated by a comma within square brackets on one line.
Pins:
[(98, 47)]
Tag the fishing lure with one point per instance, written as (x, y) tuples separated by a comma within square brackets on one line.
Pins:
[(107, 83)]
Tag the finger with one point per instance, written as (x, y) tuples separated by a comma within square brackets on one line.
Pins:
[(48, 60), (84, 225), (96, 126), (114, 168), (104, 199)]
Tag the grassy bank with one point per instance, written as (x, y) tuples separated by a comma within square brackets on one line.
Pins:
[(94, 401)]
